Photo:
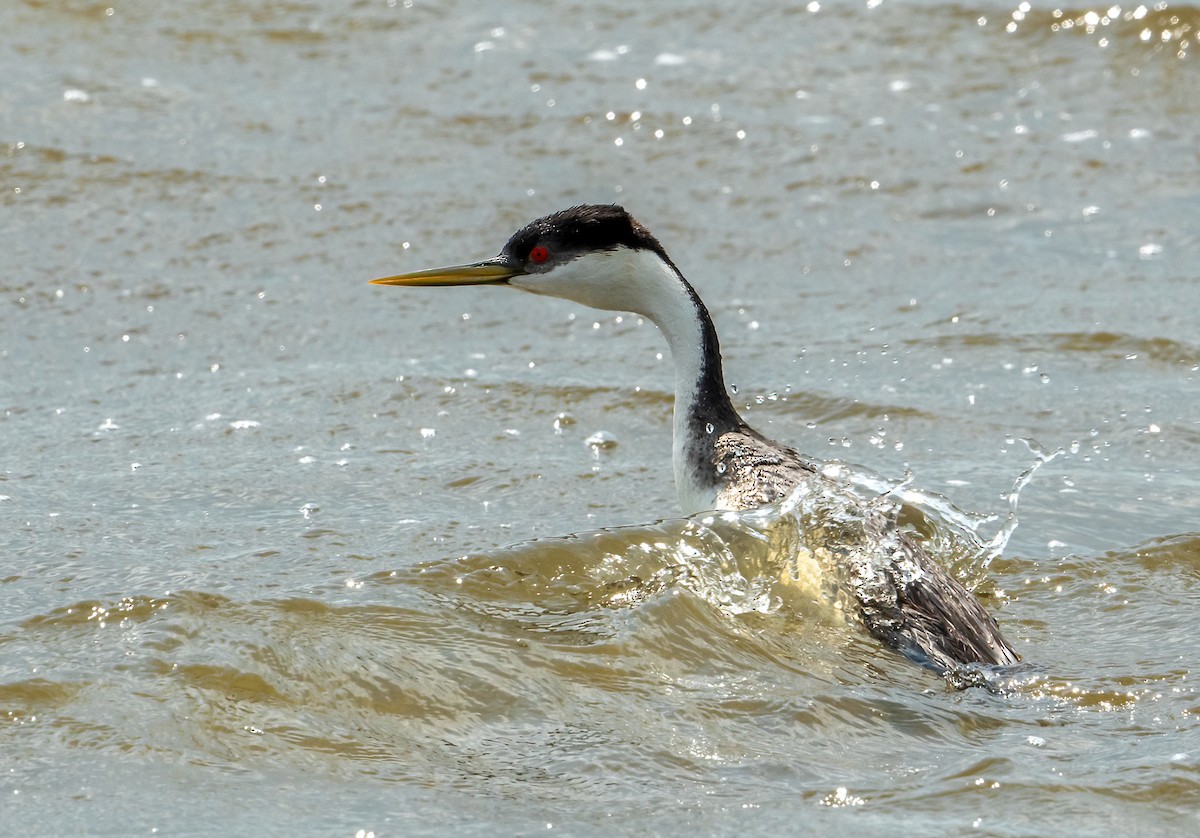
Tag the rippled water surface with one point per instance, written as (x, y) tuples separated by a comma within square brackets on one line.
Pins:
[(285, 552)]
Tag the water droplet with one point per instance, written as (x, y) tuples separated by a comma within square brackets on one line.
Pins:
[(601, 441)]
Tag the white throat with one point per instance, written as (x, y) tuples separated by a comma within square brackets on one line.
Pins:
[(640, 281)]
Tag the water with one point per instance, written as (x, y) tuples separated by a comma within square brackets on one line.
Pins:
[(288, 553)]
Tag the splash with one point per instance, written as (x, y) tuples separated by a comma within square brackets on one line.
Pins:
[(846, 548), (951, 532), (848, 542)]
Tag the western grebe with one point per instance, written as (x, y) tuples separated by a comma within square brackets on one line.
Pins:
[(600, 256)]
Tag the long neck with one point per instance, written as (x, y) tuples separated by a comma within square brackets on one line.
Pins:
[(703, 410), (644, 280)]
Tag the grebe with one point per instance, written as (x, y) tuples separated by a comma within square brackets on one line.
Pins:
[(600, 256)]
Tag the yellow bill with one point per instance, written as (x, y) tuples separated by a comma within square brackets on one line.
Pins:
[(477, 273)]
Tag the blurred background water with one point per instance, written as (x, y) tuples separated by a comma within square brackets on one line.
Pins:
[(286, 552)]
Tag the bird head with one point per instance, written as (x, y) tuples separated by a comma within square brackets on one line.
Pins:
[(597, 255)]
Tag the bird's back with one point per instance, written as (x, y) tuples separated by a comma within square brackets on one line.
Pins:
[(903, 596)]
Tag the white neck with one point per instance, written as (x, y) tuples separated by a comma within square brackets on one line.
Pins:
[(641, 281), (684, 332), (676, 314)]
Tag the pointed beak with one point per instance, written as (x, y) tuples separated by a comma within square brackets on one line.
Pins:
[(495, 271)]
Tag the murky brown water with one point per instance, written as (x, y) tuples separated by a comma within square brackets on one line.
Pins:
[(268, 561)]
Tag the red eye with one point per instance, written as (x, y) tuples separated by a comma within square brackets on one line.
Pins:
[(539, 254)]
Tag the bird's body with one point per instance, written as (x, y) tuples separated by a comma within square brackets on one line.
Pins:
[(600, 256)]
